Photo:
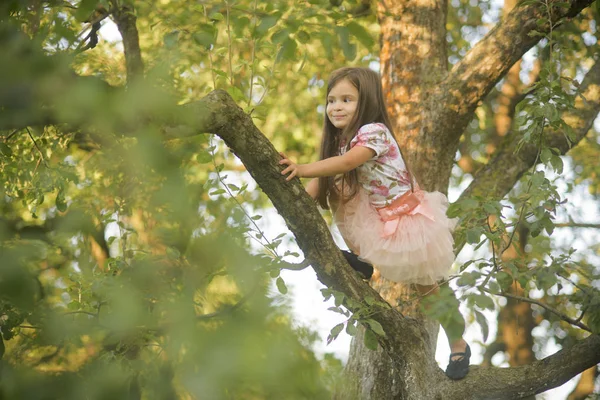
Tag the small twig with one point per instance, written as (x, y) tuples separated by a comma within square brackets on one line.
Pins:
[(544, 306), (582, 314), (576, 225), (258, 230), (254, 43), (294, 267), (38, 148), (229, 44), (210, 60), (81, 312), (28, 327), (266, 87), (10, 135)]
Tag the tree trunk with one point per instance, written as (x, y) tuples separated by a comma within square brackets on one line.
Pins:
[(413, 61)]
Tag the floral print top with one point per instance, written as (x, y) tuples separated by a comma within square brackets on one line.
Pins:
[(384, 177)]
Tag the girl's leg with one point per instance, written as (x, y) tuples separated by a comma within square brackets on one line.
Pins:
[(451, 320)]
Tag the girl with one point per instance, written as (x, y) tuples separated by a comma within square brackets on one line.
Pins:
[(380, 211)]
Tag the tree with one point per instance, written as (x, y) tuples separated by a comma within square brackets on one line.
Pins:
[(116, 152)]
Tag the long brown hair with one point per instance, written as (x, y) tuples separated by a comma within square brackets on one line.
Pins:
[(370, 109)]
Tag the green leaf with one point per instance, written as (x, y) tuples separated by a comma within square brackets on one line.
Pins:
[(303, 37), (217, 192), (467, 279), (74, 305), (236, 93), (473, 235), (280, 36), (541, 21), (490, 208), (361, 34), (339, 298), (546, 155), (288, 49), (170, 39), (216, 16), (370, 300), (257, 217), (375, 326), (4, 149), (337, 310), (204, 158), (281, 286), (557, 162), (266, 23), (85, 8), (335, 331), (351, 328), (349, 49), (504, 279), (483, 301), (370, 340), (469, 204), (61, 204), (482, 321), (110, 240), (204, 38)]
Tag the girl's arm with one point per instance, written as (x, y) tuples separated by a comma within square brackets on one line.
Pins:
[(313, 188), (332, 166)]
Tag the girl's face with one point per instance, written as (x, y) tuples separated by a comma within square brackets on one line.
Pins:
[(342, 102)]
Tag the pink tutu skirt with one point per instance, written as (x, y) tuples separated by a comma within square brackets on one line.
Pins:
[(409, 241)]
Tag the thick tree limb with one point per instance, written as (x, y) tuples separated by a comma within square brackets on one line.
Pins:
[(505, 168), (518, 382), (126, 22), (489, 60)]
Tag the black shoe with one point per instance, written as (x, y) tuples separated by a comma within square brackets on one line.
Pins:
[(458, 369), (365, 269)]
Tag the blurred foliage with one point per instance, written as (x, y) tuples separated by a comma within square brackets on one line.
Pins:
[(130, 266), (127, 270)]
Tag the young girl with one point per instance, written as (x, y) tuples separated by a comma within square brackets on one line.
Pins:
[(380, 211)]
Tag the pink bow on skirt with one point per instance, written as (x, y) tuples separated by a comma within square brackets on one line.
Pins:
[(410, 203)]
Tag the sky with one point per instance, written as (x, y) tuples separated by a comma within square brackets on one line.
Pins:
[(310, 310)]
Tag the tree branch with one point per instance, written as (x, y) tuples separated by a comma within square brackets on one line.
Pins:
[(489, 60), (577, 225), (126, 22), (576, 322), (518, 382)]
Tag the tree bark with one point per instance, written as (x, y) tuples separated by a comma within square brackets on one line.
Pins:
[(125, 19)]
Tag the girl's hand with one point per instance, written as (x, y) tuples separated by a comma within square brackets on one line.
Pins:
[(292, 168)]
